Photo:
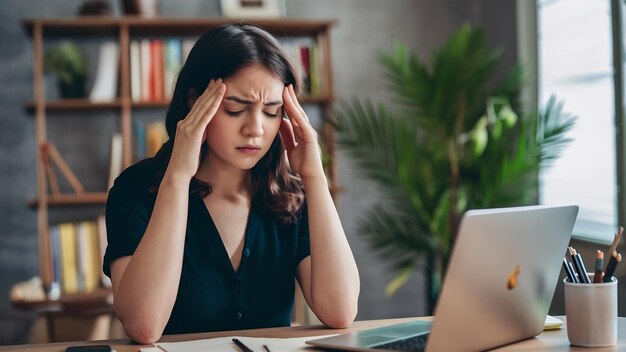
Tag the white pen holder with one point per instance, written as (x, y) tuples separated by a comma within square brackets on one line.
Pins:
[(591, 311)]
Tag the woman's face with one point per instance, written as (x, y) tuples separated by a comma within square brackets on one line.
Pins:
[(248, 119)]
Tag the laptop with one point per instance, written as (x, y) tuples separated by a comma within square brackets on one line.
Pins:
[(501, 276)]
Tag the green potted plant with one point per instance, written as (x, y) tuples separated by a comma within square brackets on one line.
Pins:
[(453, 143), (69, 65)]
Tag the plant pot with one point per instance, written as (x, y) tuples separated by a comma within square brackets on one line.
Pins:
[(72, 89)]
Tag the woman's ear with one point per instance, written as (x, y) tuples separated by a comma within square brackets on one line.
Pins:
[(192, 96)]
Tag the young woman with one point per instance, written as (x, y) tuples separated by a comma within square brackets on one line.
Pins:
[(211, 232)]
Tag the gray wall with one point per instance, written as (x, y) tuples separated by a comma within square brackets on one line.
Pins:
[(363, 27)]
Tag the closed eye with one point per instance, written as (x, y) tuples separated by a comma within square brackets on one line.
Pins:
[(239, 112), (234, 113)]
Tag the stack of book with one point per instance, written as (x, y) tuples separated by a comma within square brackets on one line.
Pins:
[(77, 252), (154, 65), (304, 56), (149, 137)]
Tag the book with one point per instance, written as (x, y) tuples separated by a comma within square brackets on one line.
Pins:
[(115, 167), (105, 83), (302, 54), (156, 71), (145, 64), (135, 70), (81, 253), (69, 266), (140, 140), (172, 53), (55, 243), (77, 255), (91, 255), (156, 135), (314, 71)]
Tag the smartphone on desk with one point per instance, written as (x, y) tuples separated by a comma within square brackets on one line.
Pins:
[(90, 348)]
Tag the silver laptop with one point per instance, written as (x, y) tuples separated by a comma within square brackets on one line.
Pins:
[(497, 290)]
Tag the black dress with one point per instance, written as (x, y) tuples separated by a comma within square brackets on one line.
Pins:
[(212, 296)]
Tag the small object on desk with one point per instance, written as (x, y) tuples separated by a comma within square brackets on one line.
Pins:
[(552, 323), (610, 267), (267, 349), (616, 240), (241, 346), (579, 265), (90, 348), (571, 276), (226, 344), (597, 277)]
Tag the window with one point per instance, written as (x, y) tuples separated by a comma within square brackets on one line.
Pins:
[(576, 64)]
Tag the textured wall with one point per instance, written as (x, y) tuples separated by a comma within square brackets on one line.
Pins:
[(363, 27)]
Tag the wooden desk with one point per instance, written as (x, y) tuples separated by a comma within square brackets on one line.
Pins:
[(553, 340)]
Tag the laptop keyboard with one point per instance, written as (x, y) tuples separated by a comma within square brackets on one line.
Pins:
[(415, 343)]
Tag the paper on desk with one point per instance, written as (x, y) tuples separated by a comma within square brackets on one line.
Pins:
[(552, 323), (226, 344)]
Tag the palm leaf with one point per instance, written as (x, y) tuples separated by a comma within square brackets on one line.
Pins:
[(453, 142)]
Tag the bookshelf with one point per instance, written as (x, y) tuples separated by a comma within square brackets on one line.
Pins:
[(123, 31)]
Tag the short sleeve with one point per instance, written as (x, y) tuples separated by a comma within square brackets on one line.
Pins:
[(128, 211), (304, 247)]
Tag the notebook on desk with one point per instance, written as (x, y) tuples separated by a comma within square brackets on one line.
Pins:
[(500, 280)]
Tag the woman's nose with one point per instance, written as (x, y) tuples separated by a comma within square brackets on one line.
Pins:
[(254, 125)]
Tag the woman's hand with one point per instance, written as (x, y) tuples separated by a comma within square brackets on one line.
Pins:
[(300, 138), (191, 132)]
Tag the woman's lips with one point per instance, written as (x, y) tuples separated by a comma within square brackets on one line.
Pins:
[(249, 149)]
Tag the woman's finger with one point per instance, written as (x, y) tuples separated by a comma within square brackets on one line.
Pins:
[(203, 101), (211, 107), (290, 109), (208, 108), (287, 134), (302, 128), (208, 96), (297, 112), (294, 99), (199, 101)]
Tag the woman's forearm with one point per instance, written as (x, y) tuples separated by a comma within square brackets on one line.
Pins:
[(335, 281), (148, 287)]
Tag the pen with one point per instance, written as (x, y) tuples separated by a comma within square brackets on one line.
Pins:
[(241, 346), (569, 271), (267, 349), (597, 277), (580, 266), (610, 268)]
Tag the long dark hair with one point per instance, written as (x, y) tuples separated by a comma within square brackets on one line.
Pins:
[(220, 53)]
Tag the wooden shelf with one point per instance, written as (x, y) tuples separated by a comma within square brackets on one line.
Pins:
[(87, 26), (73, 199), (81, 26), (124, 30), (76, 104), (83, 304)]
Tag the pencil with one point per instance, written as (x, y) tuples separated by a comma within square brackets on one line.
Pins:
[(610, 268), (579, 265), (569, 271), (616, 240), (597, 277), (241, 346)]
